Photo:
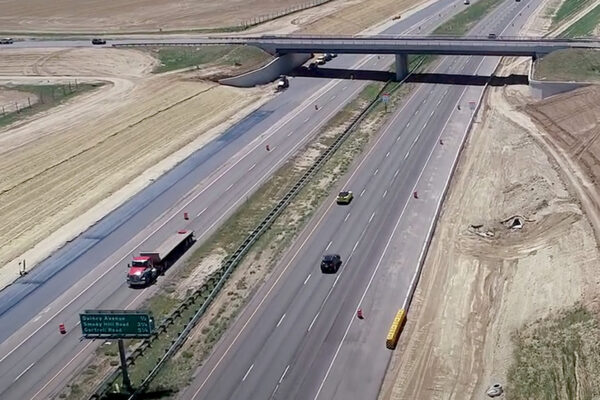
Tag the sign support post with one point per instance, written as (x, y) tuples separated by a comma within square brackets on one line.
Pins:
[(126, 381)]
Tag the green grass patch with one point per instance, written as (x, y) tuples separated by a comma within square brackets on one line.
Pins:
[(557, 358), (584, 26), (242, 57), (567, 9), (48, 96), (464, 21), (581, 65)]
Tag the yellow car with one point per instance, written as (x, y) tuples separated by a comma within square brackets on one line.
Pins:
[(345, 197)]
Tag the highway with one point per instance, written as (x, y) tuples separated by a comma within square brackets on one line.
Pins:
[(299, 337), (89, 272)]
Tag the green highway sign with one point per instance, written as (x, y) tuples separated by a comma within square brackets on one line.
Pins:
[(116, 324)]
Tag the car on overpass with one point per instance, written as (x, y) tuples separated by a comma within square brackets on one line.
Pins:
[(331, 263), (345, 197), (6, 41), (98, 41)]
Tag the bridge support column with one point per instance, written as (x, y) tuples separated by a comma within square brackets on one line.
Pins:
[(401, 66)]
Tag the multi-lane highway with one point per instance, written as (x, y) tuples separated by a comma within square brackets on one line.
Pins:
[(35, 360), (300, 338)]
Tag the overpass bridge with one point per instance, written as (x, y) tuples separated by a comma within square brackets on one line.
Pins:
[(400, 46)]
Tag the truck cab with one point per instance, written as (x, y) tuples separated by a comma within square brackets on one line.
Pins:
[(142, 271)]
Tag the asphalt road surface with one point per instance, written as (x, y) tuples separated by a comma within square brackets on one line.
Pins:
[(89, 272), (299, 338)]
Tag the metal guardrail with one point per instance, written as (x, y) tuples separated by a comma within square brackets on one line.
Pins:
[(211, 288)]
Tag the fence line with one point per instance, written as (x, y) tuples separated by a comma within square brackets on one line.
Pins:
[(281, 13), (41, 94)]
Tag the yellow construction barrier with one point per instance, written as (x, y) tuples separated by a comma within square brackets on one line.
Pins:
[(395, 329)]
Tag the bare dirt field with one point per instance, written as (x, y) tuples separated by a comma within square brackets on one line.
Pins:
[(356, 17), (518, 306), (132, 16), (96, 135)]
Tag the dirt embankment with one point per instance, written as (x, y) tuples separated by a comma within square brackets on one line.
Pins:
[(63, 170), (514, 302)]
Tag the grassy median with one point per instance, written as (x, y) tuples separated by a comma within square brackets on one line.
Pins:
[(179, 57), (44, 97), (465, 20), (567, 10), (585, 26)]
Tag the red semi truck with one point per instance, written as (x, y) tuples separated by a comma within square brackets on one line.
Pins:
[(146, 268)]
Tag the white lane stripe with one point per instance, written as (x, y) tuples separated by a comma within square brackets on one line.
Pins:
[(384, 193), (252, 167), (347, 216), (289, 134), (281, 320), (247, 372), (24, 372), (229, 187), (283, 375), (336, 281), (396, 173), (372, 215), (328, 245), (387, 154), (307, 278), (313, 321), (201, 212), (376, 171)]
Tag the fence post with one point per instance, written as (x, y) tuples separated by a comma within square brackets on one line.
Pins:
[(29, 101), (17, 106)]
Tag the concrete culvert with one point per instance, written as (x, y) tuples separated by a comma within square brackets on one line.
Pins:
[(515, 222), (495, 390)]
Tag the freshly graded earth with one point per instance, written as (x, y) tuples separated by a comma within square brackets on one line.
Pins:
[(132, 15), (512, 301)]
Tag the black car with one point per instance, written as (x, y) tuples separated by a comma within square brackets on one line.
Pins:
[(331, 263), (98, 41)]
